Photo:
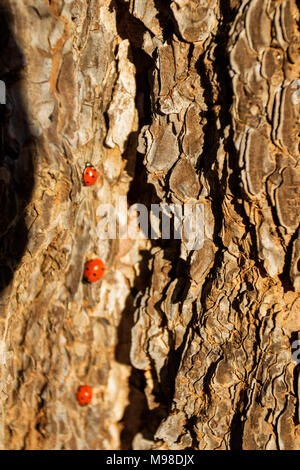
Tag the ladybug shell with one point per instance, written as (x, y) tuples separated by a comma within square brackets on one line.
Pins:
[(94, 270), (90, 175), (84, 395)]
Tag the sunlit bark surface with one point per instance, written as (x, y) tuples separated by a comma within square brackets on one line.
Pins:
[(174, 102)]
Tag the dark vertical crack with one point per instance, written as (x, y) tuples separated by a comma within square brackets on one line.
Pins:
[(285, 277), (166, 19), (137, 416), (238, 422)]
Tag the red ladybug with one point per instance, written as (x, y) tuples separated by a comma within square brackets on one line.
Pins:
[(93, 270), (84, 395), (90, 175)]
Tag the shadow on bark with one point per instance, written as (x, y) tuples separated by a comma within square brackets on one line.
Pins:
[(16, 161)]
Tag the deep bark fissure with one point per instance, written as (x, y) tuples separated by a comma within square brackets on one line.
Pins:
[(237, 423), (166, 19), (285, 277), (137, 416)]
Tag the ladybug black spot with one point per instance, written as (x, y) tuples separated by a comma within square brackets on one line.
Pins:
[(94, 274)]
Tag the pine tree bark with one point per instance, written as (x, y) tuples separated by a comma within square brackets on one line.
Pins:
[(173, 102)]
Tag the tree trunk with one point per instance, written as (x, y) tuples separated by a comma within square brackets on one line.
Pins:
[(175, 102)]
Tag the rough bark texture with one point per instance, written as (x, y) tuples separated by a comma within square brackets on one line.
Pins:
[(173, 101)]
